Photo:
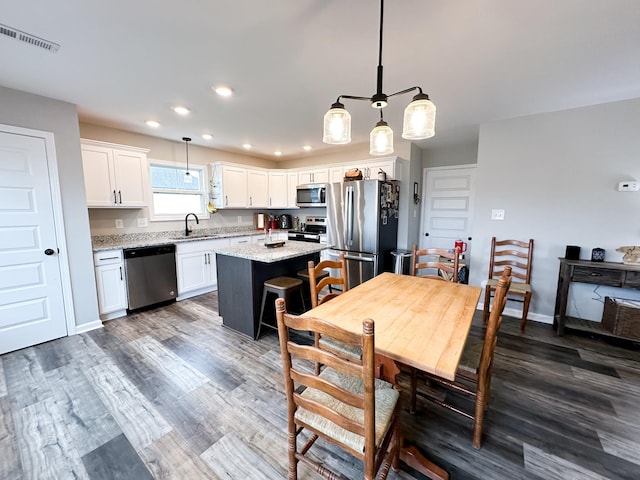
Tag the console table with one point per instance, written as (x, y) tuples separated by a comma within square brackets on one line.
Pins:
[(599, 273)]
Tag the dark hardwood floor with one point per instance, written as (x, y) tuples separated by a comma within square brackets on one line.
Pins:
[(170, 393)]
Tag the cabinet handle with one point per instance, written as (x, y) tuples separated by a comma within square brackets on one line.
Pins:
[(250, 201), (270, 202), (108, 258), (226, 200), (121, 274), (205, 258), (115, 198), (120, 195), (596, 274)]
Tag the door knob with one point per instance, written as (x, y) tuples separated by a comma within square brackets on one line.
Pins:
[(426, 234), (49, 251)]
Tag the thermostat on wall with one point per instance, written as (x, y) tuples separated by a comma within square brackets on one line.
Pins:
[(628, 186)]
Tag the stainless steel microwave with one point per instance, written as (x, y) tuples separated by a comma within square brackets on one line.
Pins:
[(312, 195)]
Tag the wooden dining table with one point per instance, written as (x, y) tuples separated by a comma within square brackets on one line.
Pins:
[(419, 322)]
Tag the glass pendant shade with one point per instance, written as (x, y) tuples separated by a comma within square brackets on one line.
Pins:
[(419, 119), (337, 125), (381, 139)]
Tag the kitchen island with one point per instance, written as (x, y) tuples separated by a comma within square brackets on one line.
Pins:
[(242, 271)]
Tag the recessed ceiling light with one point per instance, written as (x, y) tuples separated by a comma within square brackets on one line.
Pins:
[(152, 123), (223, 90), (307, 148), (181, 110), (277, 153), (246, 146), (207, 136)]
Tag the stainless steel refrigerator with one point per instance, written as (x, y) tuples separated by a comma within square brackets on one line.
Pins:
[(362, 223)]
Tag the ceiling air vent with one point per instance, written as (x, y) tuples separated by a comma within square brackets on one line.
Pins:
[(27, 38)]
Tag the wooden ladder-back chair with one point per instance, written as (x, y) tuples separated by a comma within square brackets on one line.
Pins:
[(318, 280), (446, 270), (475, 366), (345, 405), (518, 255)]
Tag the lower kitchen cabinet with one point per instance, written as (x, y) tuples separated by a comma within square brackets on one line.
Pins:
[(196, 267), (111, 284)]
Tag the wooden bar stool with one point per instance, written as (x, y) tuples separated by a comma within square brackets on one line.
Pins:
[(282, 287)]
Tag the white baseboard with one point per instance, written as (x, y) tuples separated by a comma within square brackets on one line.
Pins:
[(517, 313), (86, 327)]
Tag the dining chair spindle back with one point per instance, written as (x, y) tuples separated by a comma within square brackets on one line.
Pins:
[(519, 256), (345, 405), (446, 263)]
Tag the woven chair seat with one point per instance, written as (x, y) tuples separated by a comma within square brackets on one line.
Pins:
[(386, 398), (345, 350), (516, 287)]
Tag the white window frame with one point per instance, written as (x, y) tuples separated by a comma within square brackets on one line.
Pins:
[(204, 194)]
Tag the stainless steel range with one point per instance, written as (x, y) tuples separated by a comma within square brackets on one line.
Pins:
[(314, 230)]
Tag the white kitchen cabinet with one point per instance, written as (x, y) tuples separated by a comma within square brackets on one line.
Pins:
[(257, 189), (292, 186), (336, 173), (242, 240), (229, 186), (111, 285), (390, 166), (279, 189), (315, 175), (115, 176), (196, 267)]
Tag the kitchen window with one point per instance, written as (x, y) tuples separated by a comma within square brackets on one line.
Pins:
[(172, 196)]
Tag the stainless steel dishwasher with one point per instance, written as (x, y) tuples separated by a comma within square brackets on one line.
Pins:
[(151, 275)]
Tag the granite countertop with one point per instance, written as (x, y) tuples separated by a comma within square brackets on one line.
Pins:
[(260, 253), (137, 240)]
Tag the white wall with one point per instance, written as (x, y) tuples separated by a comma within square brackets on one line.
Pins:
[(40, 113), (555, 175)]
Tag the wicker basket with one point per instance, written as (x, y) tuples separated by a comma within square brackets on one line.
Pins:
[(621, 318)]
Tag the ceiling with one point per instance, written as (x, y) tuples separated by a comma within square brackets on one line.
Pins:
[(124, 62)]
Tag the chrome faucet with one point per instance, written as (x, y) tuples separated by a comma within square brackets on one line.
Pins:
[(187, 230)]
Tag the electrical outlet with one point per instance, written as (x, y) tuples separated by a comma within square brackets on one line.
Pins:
[(497, 214), (119, 223), (143, 222)]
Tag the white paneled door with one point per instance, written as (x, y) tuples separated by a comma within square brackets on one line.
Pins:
[(447, 207), (32, 307)]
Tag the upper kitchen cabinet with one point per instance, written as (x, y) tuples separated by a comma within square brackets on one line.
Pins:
[(258, 189), (279, 189), (282, 188), (229, 186), (391, 166), (316, 175), (115, 176)]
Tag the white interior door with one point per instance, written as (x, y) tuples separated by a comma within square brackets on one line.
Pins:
[(448, 207), (32, 307)]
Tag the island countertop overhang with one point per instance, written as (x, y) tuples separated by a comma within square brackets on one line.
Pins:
[(258, 252)]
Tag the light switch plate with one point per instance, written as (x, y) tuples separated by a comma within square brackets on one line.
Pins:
[(497, 214), (143, 222)]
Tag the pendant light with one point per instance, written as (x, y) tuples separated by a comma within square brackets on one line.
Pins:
[(381, 138), (419, 116), (187, 176)]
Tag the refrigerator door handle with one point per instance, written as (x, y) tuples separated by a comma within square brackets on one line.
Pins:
[(359, 259), (348, 215)]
